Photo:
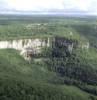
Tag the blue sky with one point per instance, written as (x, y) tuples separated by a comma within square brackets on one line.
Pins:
[(49, 6)]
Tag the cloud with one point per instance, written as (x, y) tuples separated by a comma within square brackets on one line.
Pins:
[(36, 4), (65, 6), (81, 5)]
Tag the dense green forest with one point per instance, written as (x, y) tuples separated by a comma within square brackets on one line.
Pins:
[(62, 73)]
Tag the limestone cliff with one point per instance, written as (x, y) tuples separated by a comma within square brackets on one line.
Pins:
[(26, 46), (29, 47)]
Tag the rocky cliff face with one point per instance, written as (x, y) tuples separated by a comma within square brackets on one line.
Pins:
[(24, 43), (26, 46)]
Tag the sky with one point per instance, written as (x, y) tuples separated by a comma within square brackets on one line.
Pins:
[(49, 6)]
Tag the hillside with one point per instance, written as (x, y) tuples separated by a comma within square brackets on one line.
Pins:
[(65, 70), (19, 80)]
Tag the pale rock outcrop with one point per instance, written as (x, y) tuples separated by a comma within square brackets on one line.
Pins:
[(86, 46), (26, 46)]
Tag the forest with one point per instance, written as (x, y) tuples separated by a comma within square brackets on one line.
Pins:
[(64, 71)]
